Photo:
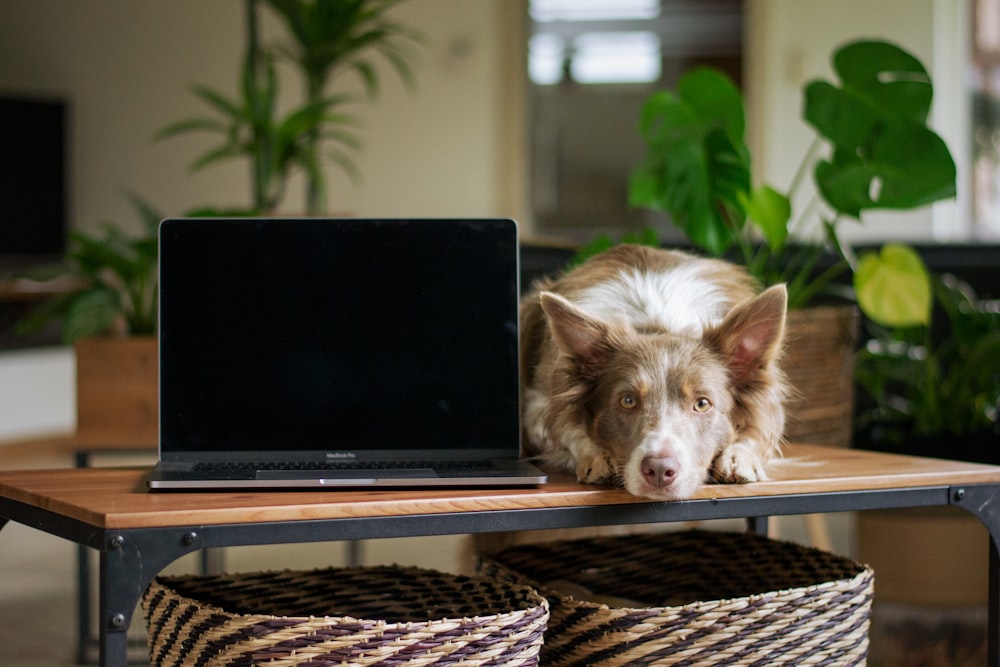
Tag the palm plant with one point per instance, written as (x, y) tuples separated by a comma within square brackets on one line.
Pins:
[(328, 40), (250, 126)]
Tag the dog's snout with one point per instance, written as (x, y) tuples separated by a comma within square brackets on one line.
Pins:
[(660, 471)]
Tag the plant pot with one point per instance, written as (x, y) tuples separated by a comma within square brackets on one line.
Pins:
[(820, 343), (929, 557), (117, 393), (932, 565)]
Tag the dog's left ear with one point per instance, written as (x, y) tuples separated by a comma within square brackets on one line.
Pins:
[(751, 334)]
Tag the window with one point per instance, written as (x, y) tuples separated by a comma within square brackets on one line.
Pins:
[(591, 65), (985, 71)]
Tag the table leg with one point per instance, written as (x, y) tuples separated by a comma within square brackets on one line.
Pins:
[(81, 459), (83, 636), (129, 560), (993, 629), (120, 584), (757, 524), (983, 501)]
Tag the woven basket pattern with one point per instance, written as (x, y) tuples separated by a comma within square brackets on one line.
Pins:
[(343, 616), (694, 598), (819, 362)]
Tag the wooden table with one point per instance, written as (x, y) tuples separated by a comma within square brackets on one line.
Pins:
[(138, 533)]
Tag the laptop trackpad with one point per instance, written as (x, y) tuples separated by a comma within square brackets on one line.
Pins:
[(352, 475)]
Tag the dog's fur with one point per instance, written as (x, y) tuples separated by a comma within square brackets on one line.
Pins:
[(653, 369)]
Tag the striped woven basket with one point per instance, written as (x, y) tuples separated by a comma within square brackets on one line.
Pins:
[(694, 598), (344, 617)]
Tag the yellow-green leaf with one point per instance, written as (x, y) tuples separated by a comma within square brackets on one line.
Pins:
[(893, 287)]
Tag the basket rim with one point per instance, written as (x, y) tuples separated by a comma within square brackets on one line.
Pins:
[(863, 573), (703, 605), (533, 597)]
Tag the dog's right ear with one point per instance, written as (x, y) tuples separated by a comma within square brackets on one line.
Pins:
[(750, 336), (577, 334)]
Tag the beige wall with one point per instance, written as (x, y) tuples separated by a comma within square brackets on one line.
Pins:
[(792, 41), (453, 146), (125, 66)]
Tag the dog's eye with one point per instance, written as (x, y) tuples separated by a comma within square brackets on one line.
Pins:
[(702, 404), (627, 401)]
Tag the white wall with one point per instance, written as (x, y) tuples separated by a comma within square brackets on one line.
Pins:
[(37, 393), (792, 41)]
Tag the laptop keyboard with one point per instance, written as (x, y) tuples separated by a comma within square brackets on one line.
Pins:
[(252, 466)]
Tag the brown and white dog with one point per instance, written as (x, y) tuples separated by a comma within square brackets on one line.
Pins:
[(654, 369)]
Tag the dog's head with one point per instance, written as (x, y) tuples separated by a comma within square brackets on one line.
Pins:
[(664, 405)]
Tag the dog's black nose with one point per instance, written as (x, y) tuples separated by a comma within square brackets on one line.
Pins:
[(660, 471)]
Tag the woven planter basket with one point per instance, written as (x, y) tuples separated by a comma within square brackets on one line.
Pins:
[(694, 598), (343, 616), (819, 363)]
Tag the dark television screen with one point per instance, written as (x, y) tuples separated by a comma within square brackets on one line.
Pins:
[(33, 188)]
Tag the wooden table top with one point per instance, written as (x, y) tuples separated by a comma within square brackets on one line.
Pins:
[(117, 498)]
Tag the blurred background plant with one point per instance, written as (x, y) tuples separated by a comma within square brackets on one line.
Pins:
[(326, 40), (113, 274), (113, 277), (938, 383)]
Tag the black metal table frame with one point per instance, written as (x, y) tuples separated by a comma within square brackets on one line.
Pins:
[(130, 558)]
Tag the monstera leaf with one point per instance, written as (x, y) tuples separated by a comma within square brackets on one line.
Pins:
[(884, 155), (771, 210), (697, 166)]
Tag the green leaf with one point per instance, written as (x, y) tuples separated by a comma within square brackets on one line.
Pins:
[(893, 287), (883, 154), (646, 236), (915, 167), (771, 210), (697, 166), (907, 166), (713, 97), (888, 77), (596, 246), (149, 216), (189, 125), (91, 313)]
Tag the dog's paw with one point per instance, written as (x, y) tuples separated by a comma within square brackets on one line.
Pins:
[(738, 464), (594, 466)]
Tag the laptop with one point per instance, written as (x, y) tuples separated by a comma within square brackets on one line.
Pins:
[(339, 353)]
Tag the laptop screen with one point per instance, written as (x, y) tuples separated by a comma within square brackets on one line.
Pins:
[(338, 335)]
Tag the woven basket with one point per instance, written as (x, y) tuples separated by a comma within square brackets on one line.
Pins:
[(819, 363), (694, 598), (318, 619)]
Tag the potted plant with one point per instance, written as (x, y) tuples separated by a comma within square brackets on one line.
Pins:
[(931, 390), (327, 39), (110, 319), (880, 154), (934, 390)]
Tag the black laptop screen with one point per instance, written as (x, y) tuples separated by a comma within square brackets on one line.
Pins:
[(338, 335)]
